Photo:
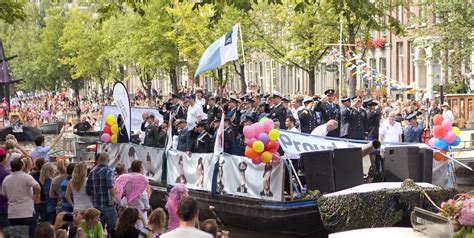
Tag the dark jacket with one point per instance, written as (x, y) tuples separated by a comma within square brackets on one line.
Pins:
[(184, 140), (357, 124), (307, 120), (203, 143), (344, 125), (151, 134), (279, 113), (373, 124)]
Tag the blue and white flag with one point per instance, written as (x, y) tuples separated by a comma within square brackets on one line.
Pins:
[(220, 52)]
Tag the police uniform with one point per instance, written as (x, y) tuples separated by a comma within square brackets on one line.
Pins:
[(373, 121), (203, 141), (331, 111), (307, 118), (357, 123), (179, 112), (151, 133), (413, 132), (184, 139), (279, 112), (345, 116), (229, 138)]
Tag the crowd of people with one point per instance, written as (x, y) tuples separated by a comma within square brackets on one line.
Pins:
[(39, 198)]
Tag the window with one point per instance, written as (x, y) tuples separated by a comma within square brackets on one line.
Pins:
[(383, 66), (298, 80), (420, 17), (268, 76), (400, 61), (274, 81), (323, 75), (283, 80), (373, 63), (437, 18), (291, 80), (400, 14), (412, 17)]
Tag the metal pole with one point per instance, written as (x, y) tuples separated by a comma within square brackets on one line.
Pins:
[(340, 58), (243, 55)]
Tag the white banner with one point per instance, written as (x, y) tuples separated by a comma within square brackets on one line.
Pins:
[(122, 101), (151, 157), (237, 175), (136, 115), (294, 143), (195, 171)]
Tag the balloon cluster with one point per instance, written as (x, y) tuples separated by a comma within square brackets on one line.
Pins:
[(110, 132), (261, 139), (444, 136)]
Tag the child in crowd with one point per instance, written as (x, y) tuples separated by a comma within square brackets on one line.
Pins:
[(91, 225)]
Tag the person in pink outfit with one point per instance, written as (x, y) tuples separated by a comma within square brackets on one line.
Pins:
[(178, 193)]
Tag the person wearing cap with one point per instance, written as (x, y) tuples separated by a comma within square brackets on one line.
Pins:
[(331, 110), (233, 113), (261, 111), (278, 111), (391, 130), (306, 116), (203, 141), (373, 116), (179, 111), (345, 115), (212, 110), (185, 143), (151, 131), (229, 136), (195, 112), (357, 121), (414, 129)]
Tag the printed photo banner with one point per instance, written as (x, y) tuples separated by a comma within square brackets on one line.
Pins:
[(238, 176), (136, 118), (151, 157), (294, 143), (194, 171)]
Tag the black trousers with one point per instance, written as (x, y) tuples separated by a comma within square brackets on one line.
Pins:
[(31, 222)]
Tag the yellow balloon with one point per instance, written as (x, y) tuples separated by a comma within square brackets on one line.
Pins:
[(258, 146), (114, 128), (114, 139), (273, 134), (266, 157), (456, 131), (110, 119)]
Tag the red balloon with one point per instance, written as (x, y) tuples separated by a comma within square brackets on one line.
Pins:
[(250, 153), (439, 157), (438, 119), (439, 132), (107, 129), (272, 146)]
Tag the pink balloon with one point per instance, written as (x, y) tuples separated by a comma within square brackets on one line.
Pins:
[(257, 160), (250, 141), (268, 125), (249, 132), (447, 125), (257, 128), (105, 137), (431, 142), (450, 137)]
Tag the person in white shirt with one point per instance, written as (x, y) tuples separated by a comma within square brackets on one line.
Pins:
[(390, 130), (290, 124), (195, 112), (199, 98), (188, 213), (447, 113), (324, 129)]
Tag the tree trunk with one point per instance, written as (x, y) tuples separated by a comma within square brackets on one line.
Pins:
[(220, 78), (173, 80), (242, 79), (312, 80), (353, 78)]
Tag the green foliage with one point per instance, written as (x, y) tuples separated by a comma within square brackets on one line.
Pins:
[(456, 86), (10, 11)]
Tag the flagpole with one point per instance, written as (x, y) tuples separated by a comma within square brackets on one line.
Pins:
[(243, 55)]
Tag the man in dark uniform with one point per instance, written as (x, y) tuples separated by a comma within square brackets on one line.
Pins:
[(203, 141), (185, 143), (357, 121), (229, 136), (345, 115), (213, 111), (318, 111), (232, 111), (307, 117), (278, 111), (151, 131), (248, 109), (331, 111), (179, 111), (373, 116), (414, 129), (261, 111)]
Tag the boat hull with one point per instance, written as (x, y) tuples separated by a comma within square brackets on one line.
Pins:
[(28, 134), (299, 218), (51, 128)]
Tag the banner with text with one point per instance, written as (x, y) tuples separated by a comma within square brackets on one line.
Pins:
[(294, 143), (194, 171), (122, 101), (126, 153), (237, 175), (136, 117)]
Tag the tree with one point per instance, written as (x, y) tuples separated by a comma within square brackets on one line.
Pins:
[(10, 11)]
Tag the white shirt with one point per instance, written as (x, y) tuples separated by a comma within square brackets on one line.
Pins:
[(390, 133), (201, 102), (82, 201), (321, 130), (18, 188), (448, 114), (183, 232), (294, 129), (194, 112)]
